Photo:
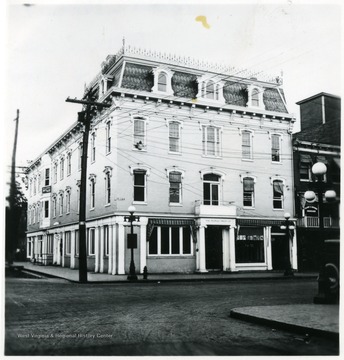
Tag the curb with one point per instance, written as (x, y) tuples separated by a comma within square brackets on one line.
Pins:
[(285, 326), (175, 280)]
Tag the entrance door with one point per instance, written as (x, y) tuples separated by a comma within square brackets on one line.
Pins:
[(213, 248), (279, 248)]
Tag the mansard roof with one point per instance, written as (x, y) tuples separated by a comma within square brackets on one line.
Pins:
[(132, 69)]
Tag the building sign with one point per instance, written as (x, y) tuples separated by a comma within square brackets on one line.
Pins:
[(311, 211), (46, 189)]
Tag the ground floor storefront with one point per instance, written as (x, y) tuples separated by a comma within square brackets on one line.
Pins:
[(169, 245)]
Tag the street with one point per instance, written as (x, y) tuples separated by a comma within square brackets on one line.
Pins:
[(56, 317)]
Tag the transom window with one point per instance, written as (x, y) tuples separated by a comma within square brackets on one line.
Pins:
[(172, 240), (278, 191), (211, 141), (211, 189)]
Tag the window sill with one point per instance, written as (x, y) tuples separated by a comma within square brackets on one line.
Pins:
[(212, 156), (175, 205), (107, 205), (248, 207), (108, 153), (304, 180), (92, 209), (248, 160), (174, 153), (278, 209), (171, 256), (140, 203), (276, 162), (138, 150)]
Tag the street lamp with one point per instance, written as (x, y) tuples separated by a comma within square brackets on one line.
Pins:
[(289, 227), (132, 241), (319, 169)]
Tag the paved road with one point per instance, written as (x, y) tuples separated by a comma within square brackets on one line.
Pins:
[(55, 317)]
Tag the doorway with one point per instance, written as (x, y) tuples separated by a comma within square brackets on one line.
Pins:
[(213, 248), (280, 250)]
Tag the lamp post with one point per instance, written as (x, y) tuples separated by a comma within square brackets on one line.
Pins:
[(289, 227), (132, 241), (319, 169)]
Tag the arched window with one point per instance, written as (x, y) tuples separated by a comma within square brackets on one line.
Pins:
[(162, 82), (211, 189), (108, 173)]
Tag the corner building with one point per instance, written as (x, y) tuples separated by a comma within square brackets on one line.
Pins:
[(204, 155)]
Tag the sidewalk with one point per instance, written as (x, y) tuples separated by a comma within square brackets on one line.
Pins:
[(73, 275)]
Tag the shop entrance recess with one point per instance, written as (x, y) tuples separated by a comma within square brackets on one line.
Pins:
[(213, 248)]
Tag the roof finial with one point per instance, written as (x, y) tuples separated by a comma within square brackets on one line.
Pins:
[(123, 41)]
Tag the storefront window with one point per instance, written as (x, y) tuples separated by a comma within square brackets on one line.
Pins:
[(249, 245)]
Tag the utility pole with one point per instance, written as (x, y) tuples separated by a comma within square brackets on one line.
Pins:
[(11, 237), (85, 117)]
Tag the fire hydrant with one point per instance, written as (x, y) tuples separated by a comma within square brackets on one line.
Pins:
[(145, 273)]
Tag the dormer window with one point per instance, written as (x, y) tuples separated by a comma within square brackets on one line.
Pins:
[(162, 81), (210, 89), (255, 96)]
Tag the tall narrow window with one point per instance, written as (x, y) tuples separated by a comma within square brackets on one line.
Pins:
[(67, 242), (34, 185), (275, 148), (61, 169), (46, 209), (91, 241), (211, 141), (139, 132), (175, 187), (106, 240), (174, 136), (139, 185), (93, 147), (54, 206), (248, 194), (80, 156), (61, 203), (92, 193), (211, 188), (162, 82), (34, 215), (55, 172), (278, 194), (69, 163), (68, 201), (107, 188), (108, 137), (47, 177), (76, 242), (246, 145)]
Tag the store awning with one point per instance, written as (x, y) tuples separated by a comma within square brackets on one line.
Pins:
[(152, 222), (259, 222)]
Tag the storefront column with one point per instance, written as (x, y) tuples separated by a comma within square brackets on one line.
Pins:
[(293, 247), (232, 266), (267, 238), (58, 249), (28, 254), (96, 249), (63, 249), (102, 252), (113, 237), (143, 243), (72, 249), (225, 246), (201, 249), (110, 250), (121, 249)]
